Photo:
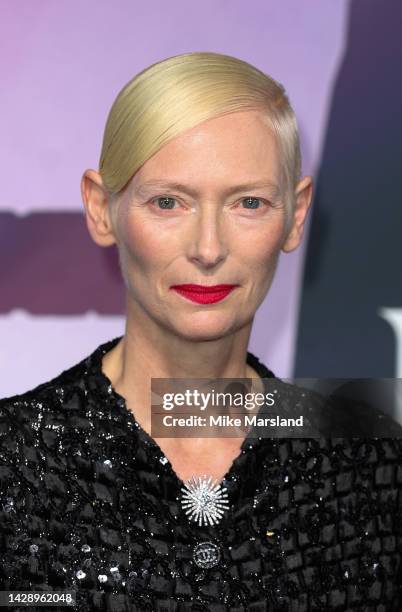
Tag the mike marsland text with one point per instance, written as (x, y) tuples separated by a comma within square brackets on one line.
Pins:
[(245, 420)]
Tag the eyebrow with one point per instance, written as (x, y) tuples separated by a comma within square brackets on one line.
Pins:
[(273, 187)]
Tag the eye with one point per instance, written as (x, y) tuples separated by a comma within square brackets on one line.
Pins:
[(164, 203), (252, 203)]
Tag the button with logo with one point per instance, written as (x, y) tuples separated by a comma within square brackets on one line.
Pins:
[(206, 555)]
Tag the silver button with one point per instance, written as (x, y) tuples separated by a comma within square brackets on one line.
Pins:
[(206, 554), (85, 548)]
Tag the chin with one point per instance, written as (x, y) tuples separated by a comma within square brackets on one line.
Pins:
[(207, 327)]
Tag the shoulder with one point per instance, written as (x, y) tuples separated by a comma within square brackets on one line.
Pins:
[(23, 415), (49, 390), (335, 414)]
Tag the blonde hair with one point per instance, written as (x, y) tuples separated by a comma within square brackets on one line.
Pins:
[(180, 92)]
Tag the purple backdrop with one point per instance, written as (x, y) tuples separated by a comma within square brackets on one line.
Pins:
[(62, 64)]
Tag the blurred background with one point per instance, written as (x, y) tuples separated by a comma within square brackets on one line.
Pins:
[(335, 307)]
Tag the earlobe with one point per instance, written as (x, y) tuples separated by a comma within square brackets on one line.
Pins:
[(303, 197), (96, 203)]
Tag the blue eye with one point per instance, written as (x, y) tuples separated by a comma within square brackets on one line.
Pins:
[(164, 201), (253, 202)]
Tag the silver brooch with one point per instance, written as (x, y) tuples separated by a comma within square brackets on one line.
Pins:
[(203, 500)]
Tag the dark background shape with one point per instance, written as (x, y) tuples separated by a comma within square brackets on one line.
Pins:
[(354, 254), (51, 266)]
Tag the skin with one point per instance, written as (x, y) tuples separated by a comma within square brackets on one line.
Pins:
[(209, 237)]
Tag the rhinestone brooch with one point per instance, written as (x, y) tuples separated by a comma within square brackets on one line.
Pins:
[(203, 500)]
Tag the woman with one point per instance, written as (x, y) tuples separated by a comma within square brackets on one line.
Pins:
[(199, 187)]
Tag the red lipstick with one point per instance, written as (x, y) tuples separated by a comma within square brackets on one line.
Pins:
[(203, 294)]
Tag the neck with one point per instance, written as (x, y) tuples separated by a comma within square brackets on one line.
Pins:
[(148, 350)]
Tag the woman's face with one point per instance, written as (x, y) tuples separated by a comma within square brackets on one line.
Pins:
[(186, 218)]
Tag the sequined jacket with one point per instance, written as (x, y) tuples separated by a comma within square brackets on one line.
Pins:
[(90, 504)]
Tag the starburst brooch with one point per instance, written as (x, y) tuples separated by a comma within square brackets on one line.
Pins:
[(203, 500)]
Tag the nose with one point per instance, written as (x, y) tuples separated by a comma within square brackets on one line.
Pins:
[(207, 241)]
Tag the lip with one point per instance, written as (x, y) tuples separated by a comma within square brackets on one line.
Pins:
[(204, 294)]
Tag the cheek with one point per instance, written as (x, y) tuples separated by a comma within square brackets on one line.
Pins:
[(262, 251), (145, 244)]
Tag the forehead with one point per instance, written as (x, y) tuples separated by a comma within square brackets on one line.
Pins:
[(235, 148)]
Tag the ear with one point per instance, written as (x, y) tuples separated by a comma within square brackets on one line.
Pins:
[(96, 202), (303, 196)]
